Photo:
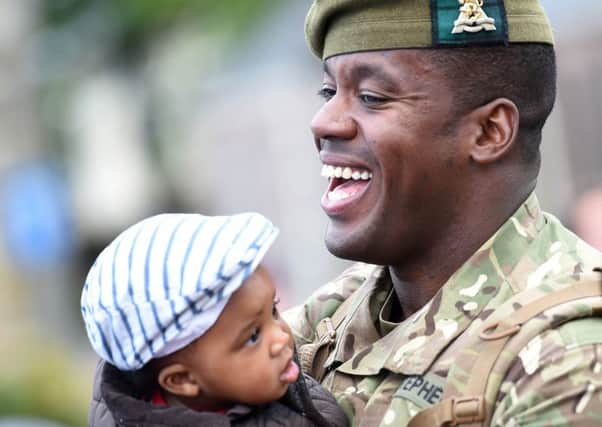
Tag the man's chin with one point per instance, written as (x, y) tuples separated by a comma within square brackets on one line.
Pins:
[(345, 248), (355, 246)]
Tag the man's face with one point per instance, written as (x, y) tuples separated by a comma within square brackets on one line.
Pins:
[(246, 356), (388, 121)]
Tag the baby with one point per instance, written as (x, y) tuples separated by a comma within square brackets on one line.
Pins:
[(186, 321)]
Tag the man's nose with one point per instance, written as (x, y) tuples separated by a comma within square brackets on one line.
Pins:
[(333, 122), (280, 341)]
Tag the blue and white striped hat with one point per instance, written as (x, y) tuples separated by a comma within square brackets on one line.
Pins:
[(163, 282)]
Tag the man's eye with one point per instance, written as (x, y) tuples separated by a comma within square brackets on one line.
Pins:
[(275, 313), (327, 93), (371, 99), (254, 338)]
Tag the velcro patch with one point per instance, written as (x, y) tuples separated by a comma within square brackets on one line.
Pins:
[(423, 390)]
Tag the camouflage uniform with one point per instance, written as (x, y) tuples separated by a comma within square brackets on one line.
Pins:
[(382, 373)]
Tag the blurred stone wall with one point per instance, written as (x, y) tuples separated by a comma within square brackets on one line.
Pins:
[(572, 144)]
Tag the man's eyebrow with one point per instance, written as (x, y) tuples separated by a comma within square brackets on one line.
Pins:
[(367, 71), (373, 72)]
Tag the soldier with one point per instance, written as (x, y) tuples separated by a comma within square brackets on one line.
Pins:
[(429, 138)]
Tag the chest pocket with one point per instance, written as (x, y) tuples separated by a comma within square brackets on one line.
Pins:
[(314, 356)]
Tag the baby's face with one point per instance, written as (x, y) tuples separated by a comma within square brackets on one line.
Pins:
[(246, 356)]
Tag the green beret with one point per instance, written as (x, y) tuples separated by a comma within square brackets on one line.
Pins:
[(333, 27)]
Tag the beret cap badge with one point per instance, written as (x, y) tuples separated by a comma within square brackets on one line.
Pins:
[(472, 18)]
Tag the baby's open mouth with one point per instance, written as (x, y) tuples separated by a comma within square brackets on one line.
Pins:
[(290, 373)]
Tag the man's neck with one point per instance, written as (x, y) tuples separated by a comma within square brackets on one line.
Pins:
[(419, 278), (416, 285)]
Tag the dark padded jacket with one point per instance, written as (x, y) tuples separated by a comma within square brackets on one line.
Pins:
[(114, 404)]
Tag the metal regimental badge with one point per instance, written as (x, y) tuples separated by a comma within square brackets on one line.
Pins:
[(472, 18)]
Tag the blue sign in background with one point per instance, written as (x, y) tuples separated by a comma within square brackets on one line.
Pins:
[(37, 215)]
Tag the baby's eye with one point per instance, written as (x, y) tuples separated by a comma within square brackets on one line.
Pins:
[(254, 338), (275, 313)]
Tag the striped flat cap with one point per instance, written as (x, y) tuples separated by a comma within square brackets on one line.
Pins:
[(163, 282), (333, 27)]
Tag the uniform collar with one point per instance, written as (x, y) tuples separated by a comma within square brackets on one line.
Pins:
[(482, 283)]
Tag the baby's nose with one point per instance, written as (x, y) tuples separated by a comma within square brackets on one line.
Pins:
[(280, 342)]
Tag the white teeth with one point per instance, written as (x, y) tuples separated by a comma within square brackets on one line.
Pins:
[(324, 171), (346, 172)]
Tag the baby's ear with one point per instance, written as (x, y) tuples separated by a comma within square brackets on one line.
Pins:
[(178, 380)]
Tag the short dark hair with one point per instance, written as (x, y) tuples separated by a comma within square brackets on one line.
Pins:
[(525, 73)]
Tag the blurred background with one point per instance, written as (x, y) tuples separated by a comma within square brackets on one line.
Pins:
[(114, 110)]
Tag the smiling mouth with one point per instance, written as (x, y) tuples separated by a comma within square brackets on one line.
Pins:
[(346, 185), (344, 181)]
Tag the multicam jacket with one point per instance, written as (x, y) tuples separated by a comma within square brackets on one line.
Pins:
[(382, 374)]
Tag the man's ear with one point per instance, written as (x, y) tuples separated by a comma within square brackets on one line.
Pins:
[(179, 381), (497, 130)]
